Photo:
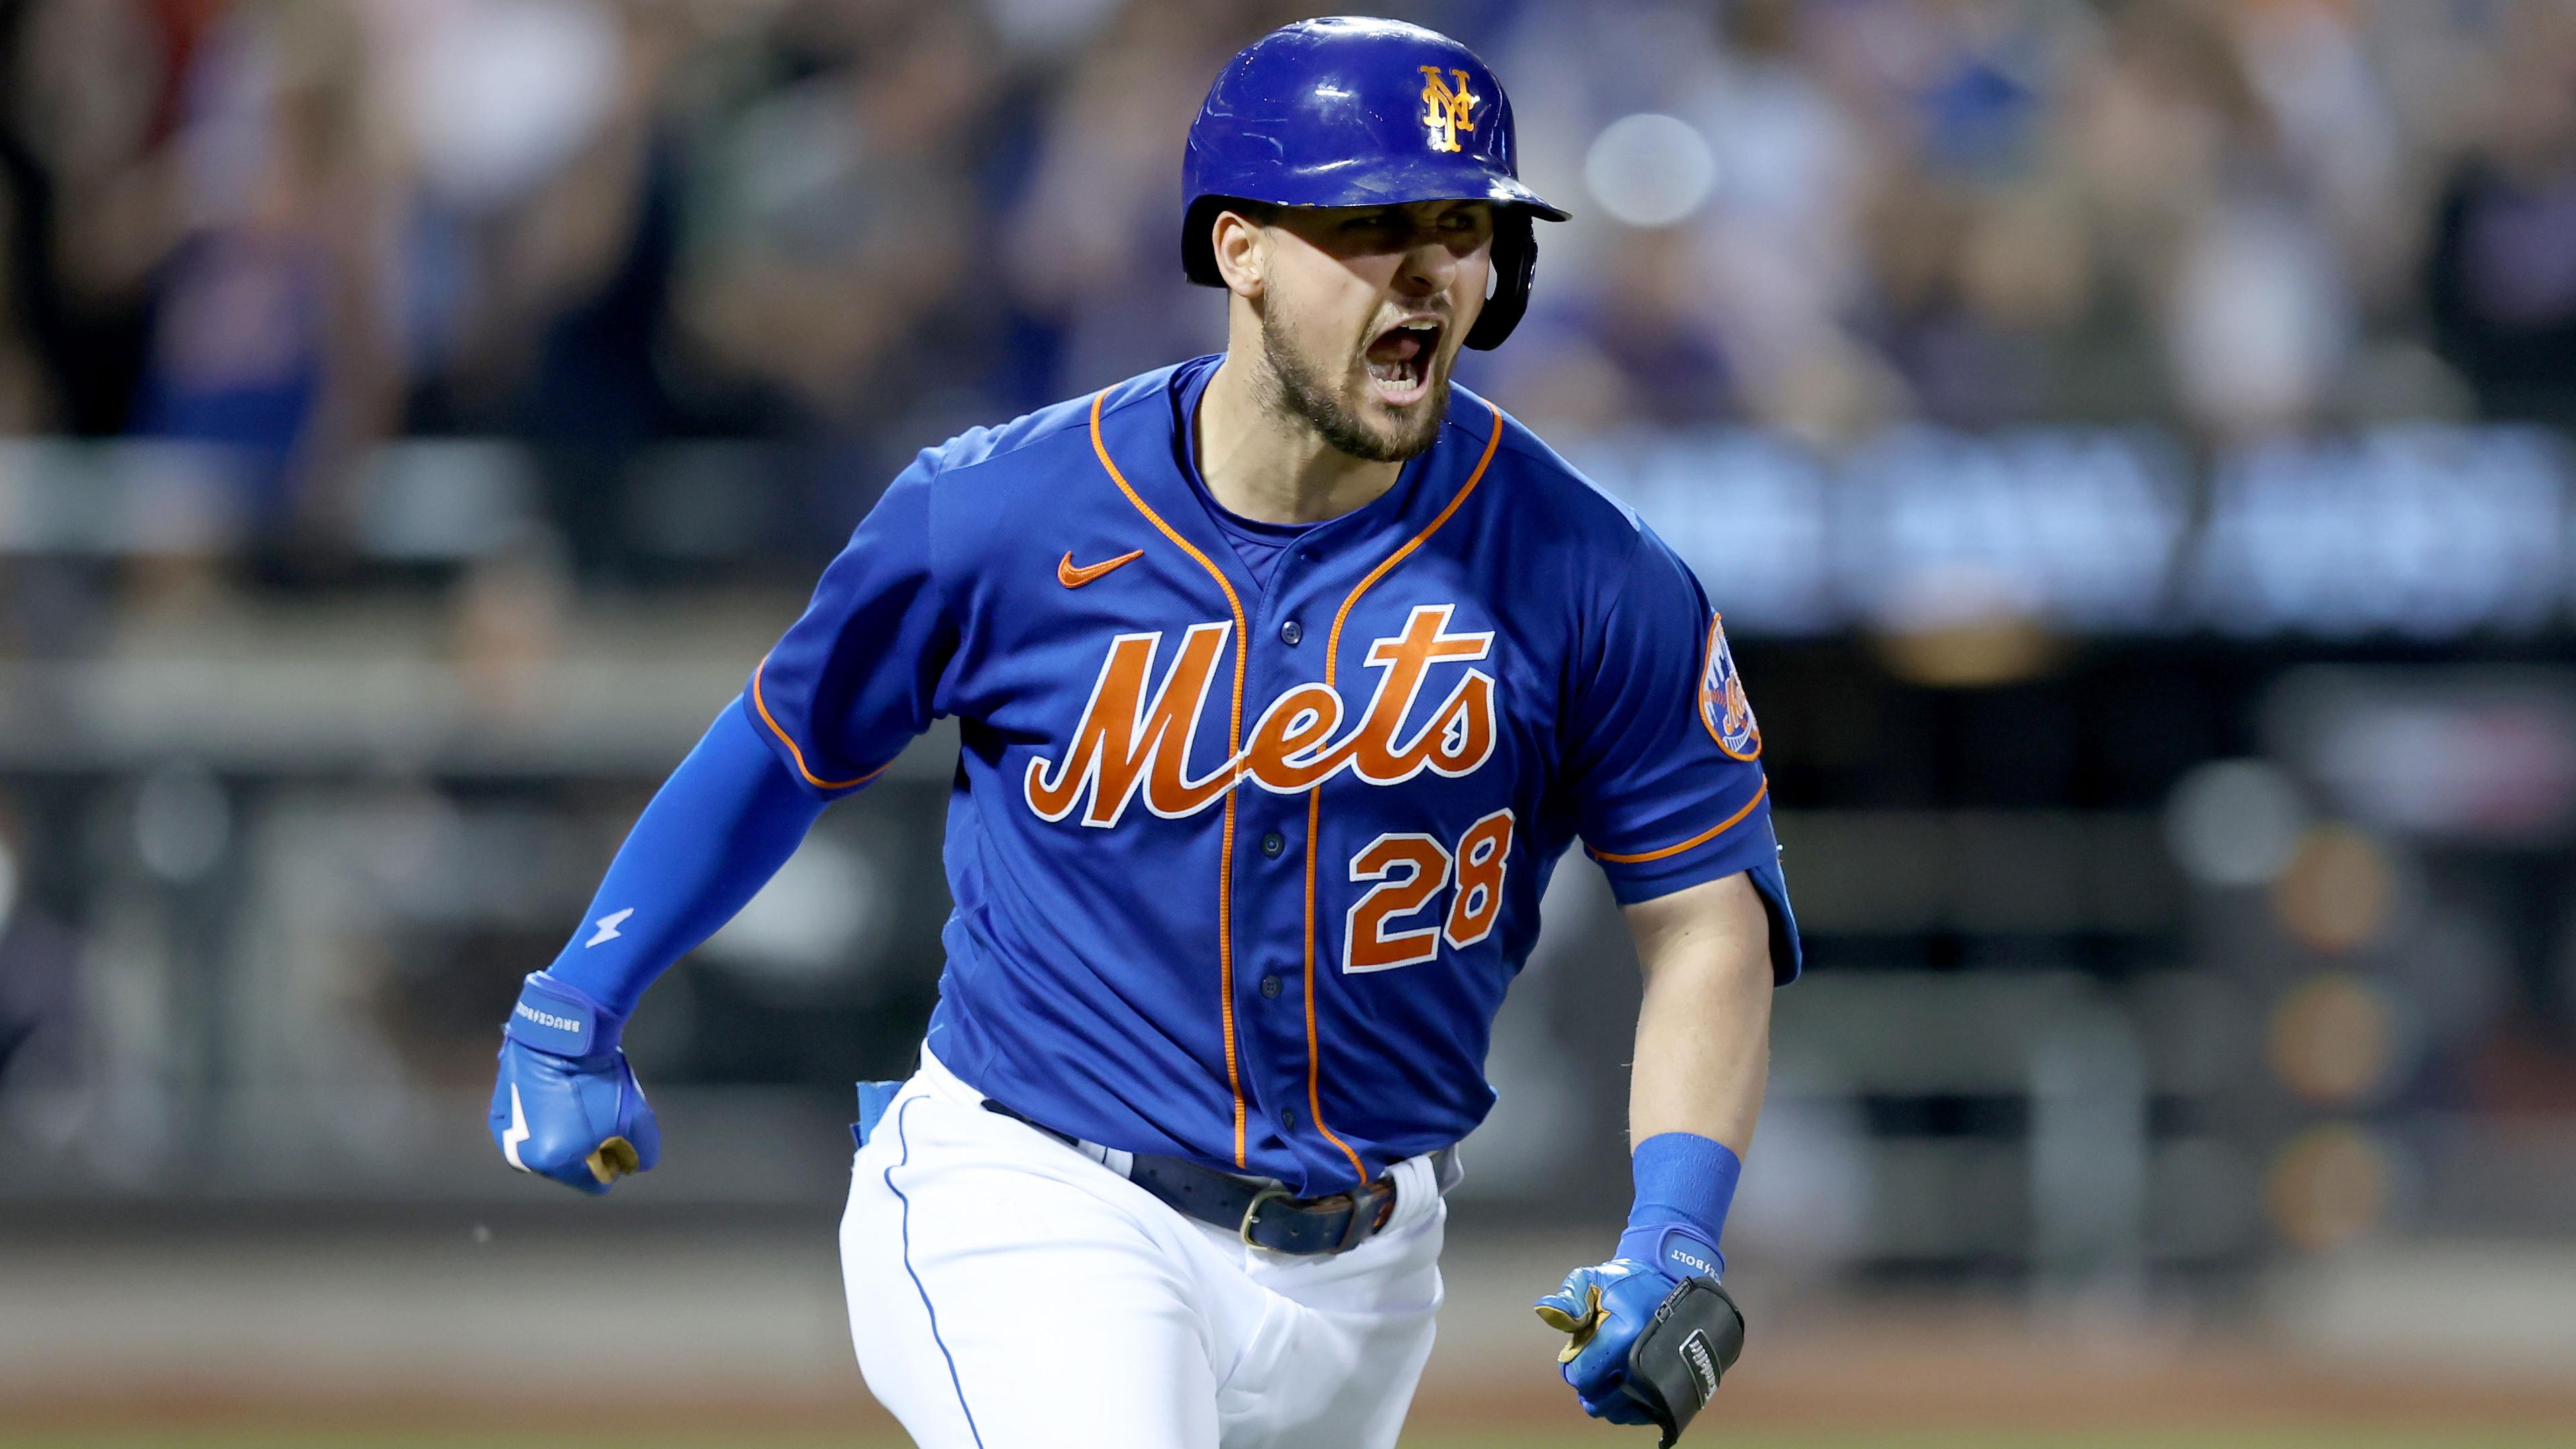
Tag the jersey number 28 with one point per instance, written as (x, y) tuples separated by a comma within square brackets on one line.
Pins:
[(1410, 869)]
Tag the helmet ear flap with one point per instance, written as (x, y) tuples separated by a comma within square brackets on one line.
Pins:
[(1198, 241), (1515, 257)]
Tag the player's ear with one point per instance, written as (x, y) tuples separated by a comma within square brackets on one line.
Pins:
[(1242, 253)]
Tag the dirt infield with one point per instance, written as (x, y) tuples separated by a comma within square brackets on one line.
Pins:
[(318, 1340), (1877, 1384), (1931, 1376)]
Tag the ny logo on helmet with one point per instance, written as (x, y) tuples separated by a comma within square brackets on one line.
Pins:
[(1449, 111)]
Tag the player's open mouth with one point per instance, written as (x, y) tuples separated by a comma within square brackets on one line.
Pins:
[(1399, 361)]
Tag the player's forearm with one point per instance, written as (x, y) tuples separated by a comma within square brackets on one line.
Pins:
[(718, 829), (1704, 1031), (1703, 1047)]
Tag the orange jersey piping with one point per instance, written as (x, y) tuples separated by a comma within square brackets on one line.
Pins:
[(1703, 838), (1234, 752), (761, 703), (1315, 796)]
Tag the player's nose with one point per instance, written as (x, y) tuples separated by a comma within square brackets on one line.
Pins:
[(1429, 266)]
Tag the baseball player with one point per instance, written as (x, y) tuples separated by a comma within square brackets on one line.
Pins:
[(1283, 679)]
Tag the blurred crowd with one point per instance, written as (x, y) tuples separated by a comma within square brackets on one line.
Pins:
[(299, 226)]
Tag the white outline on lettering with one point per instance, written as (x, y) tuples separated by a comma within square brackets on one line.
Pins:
[(1314, 699), (1484, 642), (1457, 739), (1149, 698), (1422, 944), (1500, 858)]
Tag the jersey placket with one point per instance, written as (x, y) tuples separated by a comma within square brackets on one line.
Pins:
[(1271, 860), (1296, 923)]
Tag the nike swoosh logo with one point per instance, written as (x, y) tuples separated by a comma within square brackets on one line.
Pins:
[(1072, 577)]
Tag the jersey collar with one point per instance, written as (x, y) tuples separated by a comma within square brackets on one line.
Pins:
[(1155, 450)]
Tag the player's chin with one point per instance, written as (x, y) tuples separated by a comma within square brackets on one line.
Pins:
[(1394, 436)]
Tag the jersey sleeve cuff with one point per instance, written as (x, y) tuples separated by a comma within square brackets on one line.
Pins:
[(814, 776), (1748, 846), (1739, 842)]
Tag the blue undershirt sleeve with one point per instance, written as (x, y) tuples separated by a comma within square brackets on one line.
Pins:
[(714, 834)]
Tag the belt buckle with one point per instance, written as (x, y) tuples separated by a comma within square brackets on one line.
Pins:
[(1252, 1211), (1372, 1208)]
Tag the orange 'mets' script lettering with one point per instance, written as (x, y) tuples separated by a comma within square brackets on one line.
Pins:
[(1124, 740), (1130, 743)]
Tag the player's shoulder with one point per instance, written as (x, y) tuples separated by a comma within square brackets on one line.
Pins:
[(1546, 492), (1035, 446)]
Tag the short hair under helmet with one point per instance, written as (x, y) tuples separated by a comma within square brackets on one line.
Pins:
[(1350, 111)]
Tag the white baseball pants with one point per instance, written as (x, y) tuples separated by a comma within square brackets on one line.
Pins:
[(1009, 1291)]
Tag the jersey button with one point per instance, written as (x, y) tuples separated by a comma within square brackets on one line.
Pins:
[(1270, 988), (1290, 632), (1273, 843), (1288, 1118)]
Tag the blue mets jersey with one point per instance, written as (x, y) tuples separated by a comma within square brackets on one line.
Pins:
[(1250, 825)]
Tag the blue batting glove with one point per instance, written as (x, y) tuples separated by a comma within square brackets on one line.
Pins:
[(566, 1105), (1606, 1306)]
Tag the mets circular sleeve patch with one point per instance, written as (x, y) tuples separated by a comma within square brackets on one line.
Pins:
[(1722, 703)]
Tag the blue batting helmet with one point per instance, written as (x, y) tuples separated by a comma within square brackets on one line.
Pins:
[(1350, 111)]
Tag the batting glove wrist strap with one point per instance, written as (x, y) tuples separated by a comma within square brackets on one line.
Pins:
[(1678, 1250), (560, 1019)]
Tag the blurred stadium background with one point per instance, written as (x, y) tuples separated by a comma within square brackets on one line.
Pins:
[(2127, 440)]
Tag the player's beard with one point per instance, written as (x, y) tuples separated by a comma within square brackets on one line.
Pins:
[(1297, 389)]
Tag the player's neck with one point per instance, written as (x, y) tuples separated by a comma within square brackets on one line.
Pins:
[(1266, 465)]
